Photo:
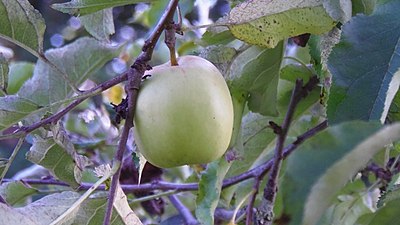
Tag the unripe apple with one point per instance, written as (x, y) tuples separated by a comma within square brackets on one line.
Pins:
[(184, 114)]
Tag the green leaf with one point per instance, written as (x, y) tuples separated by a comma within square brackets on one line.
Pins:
[(77, 60), (92, 212), (46, 209), (266, 22), (22, 25), (209, 190), (13, 109), (339, 10), (363, 6), (292, 72), (16, 193), (365, 66), (394, 111), (324, 163), (57, 154), (387, 215), (221, 56), (19, 73), (259, 78), (99, 24), (11, 216), (216, 38), (83, 7), (3, 74), (348, 210)]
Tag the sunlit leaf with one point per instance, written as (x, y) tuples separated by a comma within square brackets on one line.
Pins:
[(266, 22)]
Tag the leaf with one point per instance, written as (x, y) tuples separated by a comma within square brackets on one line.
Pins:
[(339, 10), (209, 190), (221, 38), (16, 192), (324, 163), (3, 74), (387, 215), (46, 209), (267, 22), (60, 161), (124, 210), (77, 60), (365, 66), (83, 7), (221, 56), (10, 216), (13, 109), (363, 6), (292, 72), (347, 211), (99, 24), (92, 211), (217, 35), (19, 73), (259, 77), (22, 24)]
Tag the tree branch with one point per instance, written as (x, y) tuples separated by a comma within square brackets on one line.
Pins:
[(250, 206), (162, 185), (135, 74), (265, 212), (183, 210), (24, 130)]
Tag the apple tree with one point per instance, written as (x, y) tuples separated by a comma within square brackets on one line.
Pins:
[(199, 112)]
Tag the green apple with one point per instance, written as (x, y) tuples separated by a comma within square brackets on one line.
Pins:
[(184, 114)]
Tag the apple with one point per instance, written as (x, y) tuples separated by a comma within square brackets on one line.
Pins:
[(184, 114)]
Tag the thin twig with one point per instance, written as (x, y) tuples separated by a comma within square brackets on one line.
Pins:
[(3, 201), (265, 212), (162, 185), (24, 130), (183, 210), (250, 206), (12, 157), (135, 74)]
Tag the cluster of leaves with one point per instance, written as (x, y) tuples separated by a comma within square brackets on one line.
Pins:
[(352, 48)]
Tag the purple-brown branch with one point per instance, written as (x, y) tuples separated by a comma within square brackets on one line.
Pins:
[(24, 130), (183, 210), (265, 212), (162, 185), (135, 74)]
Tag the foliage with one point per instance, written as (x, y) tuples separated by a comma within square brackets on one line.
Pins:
[(292, 68)]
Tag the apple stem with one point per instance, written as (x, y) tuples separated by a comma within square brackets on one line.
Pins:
[(170, 40)]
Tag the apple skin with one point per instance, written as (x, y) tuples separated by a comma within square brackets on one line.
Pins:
[(184, 114)]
